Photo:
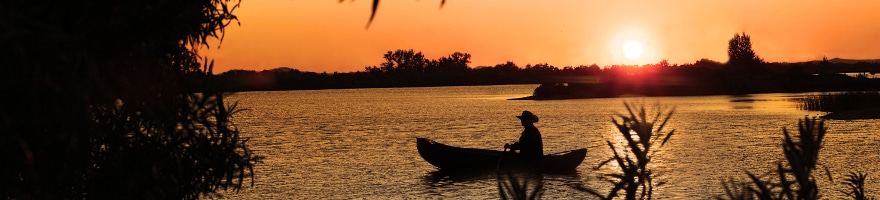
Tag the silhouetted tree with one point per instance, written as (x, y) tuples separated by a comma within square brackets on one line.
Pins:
[(706, 63), (404, 61), (373, 69), (824, 65), (740, 54), (663, 63), (588, 70), (456, 62), (541, 68), (507, 66)]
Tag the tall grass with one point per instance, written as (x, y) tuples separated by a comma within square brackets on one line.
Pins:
[(511, 187), (794, 179), (643, 138), (841, 101), (855, 182)]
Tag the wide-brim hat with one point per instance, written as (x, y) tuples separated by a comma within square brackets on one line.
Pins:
[(528, 116)]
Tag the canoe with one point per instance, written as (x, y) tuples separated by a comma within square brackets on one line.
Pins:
[(452, 158)]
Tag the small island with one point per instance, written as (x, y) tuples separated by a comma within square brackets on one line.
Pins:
[(711, 78)]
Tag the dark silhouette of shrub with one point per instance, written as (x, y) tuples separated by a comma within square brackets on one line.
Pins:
[(108, 100), (802, 156), (643, 139), (855, 182)]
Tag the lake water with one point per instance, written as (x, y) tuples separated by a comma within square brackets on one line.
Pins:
[(360, 143)]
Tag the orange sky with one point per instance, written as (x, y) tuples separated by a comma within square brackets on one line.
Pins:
[(327, 36)]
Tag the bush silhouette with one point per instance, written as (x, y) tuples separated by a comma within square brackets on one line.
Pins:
[(108, 99)]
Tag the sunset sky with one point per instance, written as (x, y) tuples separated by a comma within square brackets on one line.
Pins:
[(328, 36)]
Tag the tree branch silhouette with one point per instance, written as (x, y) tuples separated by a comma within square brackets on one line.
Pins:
[(375, 6)]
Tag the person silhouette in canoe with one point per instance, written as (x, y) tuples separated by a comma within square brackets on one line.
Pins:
[(529, 144)]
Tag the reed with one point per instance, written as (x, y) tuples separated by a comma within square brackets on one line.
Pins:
[(855, 182), (793, 178), (511, 187), (841, 101), (801, 158), (644, 138)]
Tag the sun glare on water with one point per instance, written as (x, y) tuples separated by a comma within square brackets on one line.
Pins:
[(632, 50)]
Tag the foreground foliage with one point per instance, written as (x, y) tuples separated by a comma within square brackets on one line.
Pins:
[(529, 186), (801, 157), (108, 100), (792, 179), (643, 139)]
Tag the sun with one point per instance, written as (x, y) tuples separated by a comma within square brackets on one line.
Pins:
[(632, 50)]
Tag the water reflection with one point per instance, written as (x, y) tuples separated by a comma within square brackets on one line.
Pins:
[(446, 183), (520, 185), (763, 102), (450, 177), (742, 102), (442, 178)]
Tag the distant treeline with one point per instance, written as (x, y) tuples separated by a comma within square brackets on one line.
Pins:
[(402, 68), (407, 68), (707, 77)]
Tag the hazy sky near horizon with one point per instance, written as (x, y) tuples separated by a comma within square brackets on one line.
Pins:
[(328, 36)]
